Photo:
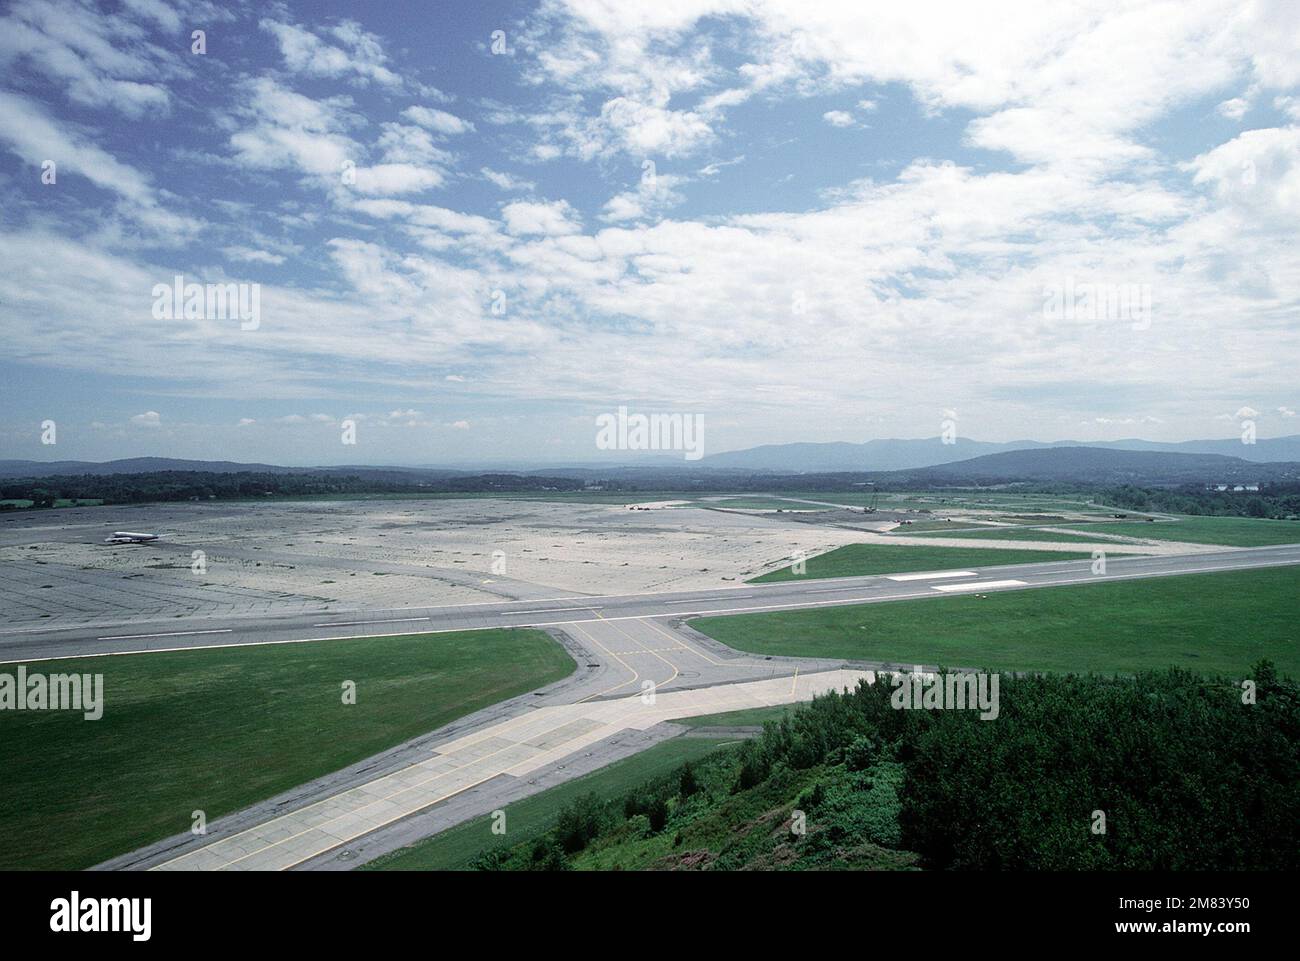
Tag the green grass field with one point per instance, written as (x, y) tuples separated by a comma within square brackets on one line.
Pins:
[(1207, 622), (217, 730), (454, 848), (1019, 534), (746, 717), (1229, 531), (853, 560)]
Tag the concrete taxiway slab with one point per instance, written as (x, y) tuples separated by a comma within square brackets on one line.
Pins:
[(513, 748)]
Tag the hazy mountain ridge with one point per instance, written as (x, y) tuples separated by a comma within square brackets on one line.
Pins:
[(146, 465), (1097, 466), (894, 454), (872, 457)]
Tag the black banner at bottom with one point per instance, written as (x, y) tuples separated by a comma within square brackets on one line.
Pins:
[(303, 910)]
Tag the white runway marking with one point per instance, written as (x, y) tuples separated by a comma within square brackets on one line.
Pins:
[(979, 586), (387, 620), (136, 637), (702, 600), (554, 610), (928, 577)]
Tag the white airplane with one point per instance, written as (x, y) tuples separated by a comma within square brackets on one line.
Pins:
[(127, 537)]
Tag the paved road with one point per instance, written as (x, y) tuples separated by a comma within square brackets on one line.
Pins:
[(110, 637)]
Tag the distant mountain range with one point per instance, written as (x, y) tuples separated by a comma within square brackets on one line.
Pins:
[(1093, 465), (886, 461), (891, 455), (148, 465)]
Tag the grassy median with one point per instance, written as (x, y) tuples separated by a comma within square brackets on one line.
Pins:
[(217, 730), (1221, 622)]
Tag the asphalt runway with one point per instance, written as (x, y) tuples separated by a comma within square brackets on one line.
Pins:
[(564, 610)]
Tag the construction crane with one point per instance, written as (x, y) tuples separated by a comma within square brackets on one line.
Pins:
[(875, 500)]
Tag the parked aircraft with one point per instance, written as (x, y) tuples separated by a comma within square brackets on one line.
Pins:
[(127, 537)]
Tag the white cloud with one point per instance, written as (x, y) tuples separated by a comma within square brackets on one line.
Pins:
[(304, 52), (1258, 171), (711, 170), (506, 181), (149, 418), (838, 118), (896, 276), (157, 11), (1234, 109), (35, 138), (438, 121), (97, 59), (252, 256), (653, 193), (388, 179), (550, 219), (286, 130)]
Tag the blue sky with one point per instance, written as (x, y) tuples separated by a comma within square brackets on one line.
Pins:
[(796, 221)]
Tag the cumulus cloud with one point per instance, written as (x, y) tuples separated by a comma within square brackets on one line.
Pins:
[(727, 292), (252, 256), (97, 58), (506, 181), (554, 218), (360, 57), (388, 179), (1259, 171), (1235, 108), (437, 120), (283, 129)]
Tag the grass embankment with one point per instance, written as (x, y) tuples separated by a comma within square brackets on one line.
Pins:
[(1228, 531), (1204, 622), (1188, 773), (1018, 534), (217, 730)]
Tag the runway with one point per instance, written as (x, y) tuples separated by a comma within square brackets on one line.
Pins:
[(130, 636), (639, 667)]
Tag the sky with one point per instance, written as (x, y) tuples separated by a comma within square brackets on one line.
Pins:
[(463, 232)]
